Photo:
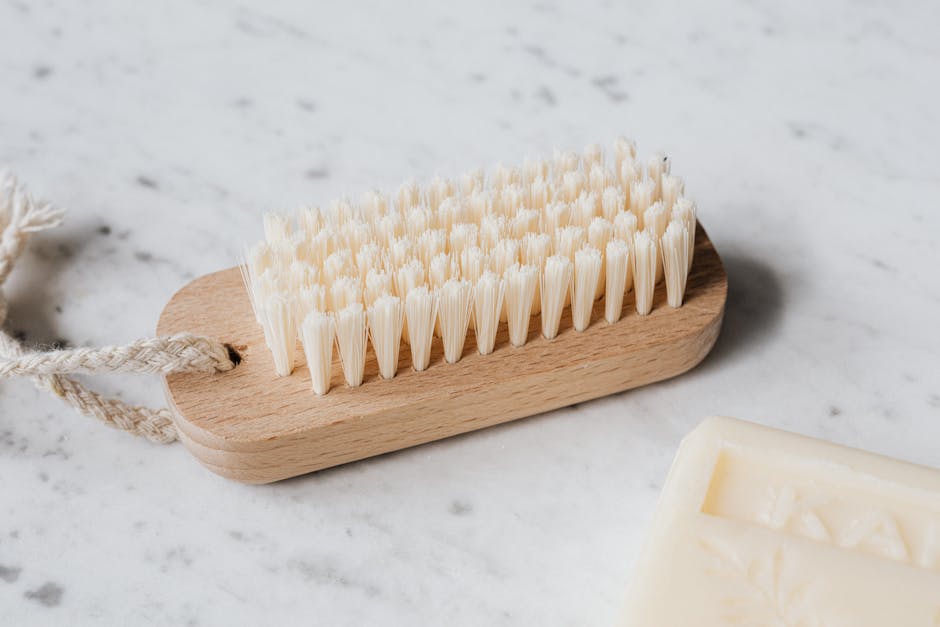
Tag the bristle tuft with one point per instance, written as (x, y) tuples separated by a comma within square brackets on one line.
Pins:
[(618, 265), (316, 334), (555, 286), (454, 317), (675, 247), (351, 332), (386, 316), (587, 269), (520, 292), (280, 332), (644, 271), (488, 293), (420, 314)]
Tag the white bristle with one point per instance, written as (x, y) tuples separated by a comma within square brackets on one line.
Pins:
[(356, 234), (526, 221), (258, 258), (438, 190), (592, 155), (504, 255), (386, 317), (342, 211), (684, 211), (409, 276), (624, 150), (303, 249), (369, 257), (625, 226), (488, 295), (463, 236), (400, 251), (417, 221), (420, 315), (641, 197), (535, 250), (351, 332), (534, 168), (378, 284), (337, 264), (492, 229), (564, 161), (568, 240), (408, 196), (599, 233), (309, 299), (479, 204), (388, 227), (439, 270), (431, 244), (584, 209), (675, 247), (657, 165), (473, 262), (319, 246), (520, 292), (618, 267), (276, 228), (374, 203), (449, 213), (655, 219), (587, 269), (533, 239), (600, 178), (471, 181), (629, 174), (613, 201), (555, 286), (539, 194), (555, 216), (309, 219), (511, 200), (316, 335), (344, 292), (644, 271), (504, 176), (572, 185), (454, 316), (280, 332), (672, 189)]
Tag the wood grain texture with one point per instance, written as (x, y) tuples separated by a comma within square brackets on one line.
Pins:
[(249, 425)]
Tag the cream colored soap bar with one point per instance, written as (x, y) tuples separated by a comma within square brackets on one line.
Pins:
[(758, 527)]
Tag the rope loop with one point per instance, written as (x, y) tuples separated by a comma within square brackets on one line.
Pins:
[(21, 216)]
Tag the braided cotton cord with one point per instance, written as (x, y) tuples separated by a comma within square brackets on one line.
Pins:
[(20, 216), (183, 352)]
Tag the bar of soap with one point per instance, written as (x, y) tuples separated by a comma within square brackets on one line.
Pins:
[(758, 527)]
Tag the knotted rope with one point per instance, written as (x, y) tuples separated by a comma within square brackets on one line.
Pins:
[(21, 216)]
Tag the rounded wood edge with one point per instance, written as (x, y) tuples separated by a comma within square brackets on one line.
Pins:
[(226, 464)]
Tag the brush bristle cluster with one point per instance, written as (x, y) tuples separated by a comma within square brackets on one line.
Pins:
[(487, 249)]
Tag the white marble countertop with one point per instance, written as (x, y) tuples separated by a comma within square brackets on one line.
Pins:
[(807, 134)]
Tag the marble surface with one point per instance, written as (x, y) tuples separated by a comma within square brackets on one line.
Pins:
[(806, 132)]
